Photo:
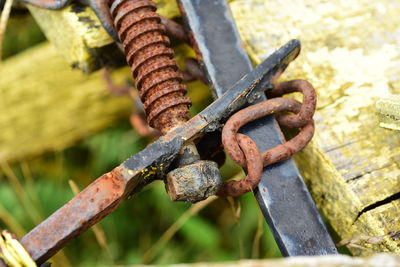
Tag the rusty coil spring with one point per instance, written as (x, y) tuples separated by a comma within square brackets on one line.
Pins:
[(151, 60), (243, 150)]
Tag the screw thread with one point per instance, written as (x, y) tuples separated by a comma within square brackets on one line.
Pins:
[(151, 60)]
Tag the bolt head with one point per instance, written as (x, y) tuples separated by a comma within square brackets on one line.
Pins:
[(194, 182)]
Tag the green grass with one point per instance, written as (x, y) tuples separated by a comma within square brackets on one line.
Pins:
[(32, 190), (211, 235)]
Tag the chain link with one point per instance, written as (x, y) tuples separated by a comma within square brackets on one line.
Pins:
[(242, 149)]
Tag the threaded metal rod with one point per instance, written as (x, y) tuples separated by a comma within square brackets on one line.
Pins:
[(151, 60)]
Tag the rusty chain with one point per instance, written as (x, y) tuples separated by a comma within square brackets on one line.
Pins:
[(243, 150), (166, 106)]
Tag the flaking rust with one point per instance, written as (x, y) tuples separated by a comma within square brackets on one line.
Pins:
[(106, 193), (254, 167), (246, 158), (157, 78), (147, 52), (87, 208)]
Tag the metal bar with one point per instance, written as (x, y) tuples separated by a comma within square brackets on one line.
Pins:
[(106, 193), (282, 195)]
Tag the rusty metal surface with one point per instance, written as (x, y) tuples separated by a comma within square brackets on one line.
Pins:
[(279, 153), (158, 80), (102, 10), (254, 168), (98, 200), (282, 194), (106, 193), (175, 30), (302, 118), (193, 71), (309, 102), (147, 51)]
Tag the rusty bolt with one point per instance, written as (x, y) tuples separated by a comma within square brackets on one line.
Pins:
[(194, 182), (158, 80)]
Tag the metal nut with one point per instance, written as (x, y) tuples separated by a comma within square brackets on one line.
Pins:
[(194, 182)]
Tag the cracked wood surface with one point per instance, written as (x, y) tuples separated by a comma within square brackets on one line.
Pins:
[(79, 36), (351, 55)]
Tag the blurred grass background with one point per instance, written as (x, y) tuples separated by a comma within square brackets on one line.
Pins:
[(148, 228)]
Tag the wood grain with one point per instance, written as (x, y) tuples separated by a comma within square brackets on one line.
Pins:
[(351, 54), (378, 260), (46, 105)]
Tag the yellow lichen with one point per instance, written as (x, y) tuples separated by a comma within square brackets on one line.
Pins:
[(350, 53)]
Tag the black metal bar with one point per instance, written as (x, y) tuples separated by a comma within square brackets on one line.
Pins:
[(106, 193), (282, 194)]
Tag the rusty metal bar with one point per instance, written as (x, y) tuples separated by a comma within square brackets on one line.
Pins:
[(106, 193), (282, 195)]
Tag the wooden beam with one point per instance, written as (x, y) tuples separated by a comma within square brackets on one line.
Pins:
[(77, 35), (46, 105), (80, 38), (351, 55), (377, 260)]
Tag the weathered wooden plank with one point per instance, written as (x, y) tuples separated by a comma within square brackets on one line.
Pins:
[(350, 53), (45, 105), (378, 260), (79, 36), (388, 110)]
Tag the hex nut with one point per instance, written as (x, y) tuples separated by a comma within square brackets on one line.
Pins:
[(194, 182)]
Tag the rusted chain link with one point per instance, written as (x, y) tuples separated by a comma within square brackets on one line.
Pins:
[(233, 142), (193, 71)]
